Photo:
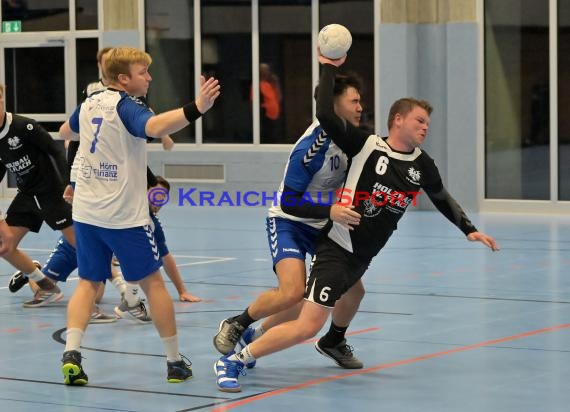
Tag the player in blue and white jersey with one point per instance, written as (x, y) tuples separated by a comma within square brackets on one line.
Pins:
[(306, 200), (110, 209)]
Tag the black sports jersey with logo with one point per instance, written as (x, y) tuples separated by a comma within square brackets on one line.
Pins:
[(28, 150), (381, 183)]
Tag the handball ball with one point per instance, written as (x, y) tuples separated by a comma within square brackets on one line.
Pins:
[(334, 41)]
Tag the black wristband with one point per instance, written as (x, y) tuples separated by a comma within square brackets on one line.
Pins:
[(191, 111)]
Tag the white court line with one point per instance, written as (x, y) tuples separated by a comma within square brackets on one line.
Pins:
[(212, 259)]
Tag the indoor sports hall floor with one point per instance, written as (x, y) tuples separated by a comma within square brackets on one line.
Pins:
[(446, 325)]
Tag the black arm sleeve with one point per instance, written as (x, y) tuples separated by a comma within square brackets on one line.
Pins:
[(349, 138), (150, 178), (2, 171), (43, 140), (447, 205), (72, 148), (292, 203)]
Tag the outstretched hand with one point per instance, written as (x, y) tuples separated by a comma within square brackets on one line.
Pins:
[(335, 62), (485, 239), (209, 92)]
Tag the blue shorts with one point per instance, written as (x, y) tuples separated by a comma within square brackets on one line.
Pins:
[(159, 236), (61, 262), (134, 247), (290, 239)]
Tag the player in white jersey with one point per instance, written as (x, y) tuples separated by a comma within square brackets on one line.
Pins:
[(315, 170), (394, 168), (110, 207)]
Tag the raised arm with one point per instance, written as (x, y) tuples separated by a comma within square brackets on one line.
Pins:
[(174, 120), (349, 138)]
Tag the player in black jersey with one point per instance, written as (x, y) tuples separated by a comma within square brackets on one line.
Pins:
[(28, 151), (384, 178)]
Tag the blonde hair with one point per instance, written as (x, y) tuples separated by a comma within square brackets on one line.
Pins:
[(120, 59), (102, 52)]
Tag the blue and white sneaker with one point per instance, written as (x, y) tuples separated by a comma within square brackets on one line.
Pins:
[(227, 373), (245, 339)]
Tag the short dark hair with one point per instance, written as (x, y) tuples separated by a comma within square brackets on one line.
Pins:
[(163, 182), (404, 106), (343, 82)]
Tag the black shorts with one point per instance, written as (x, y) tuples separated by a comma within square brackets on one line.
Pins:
[(334, 271), (31, 211)]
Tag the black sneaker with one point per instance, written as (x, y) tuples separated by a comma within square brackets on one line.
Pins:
[(19, 280), (228, 336), (179, 371), (73, 373), (342, 354)]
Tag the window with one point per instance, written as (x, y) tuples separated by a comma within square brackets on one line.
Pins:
[(517, 100), (38, 15), (283, 49)]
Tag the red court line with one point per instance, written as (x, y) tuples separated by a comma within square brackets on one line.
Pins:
[(387, 366), (356, 332)]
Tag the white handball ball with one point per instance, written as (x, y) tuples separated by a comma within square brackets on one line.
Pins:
[(334, 41)]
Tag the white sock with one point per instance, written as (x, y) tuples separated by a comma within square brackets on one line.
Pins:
[(171, 348), (119, 284), (244, 356), (258, 331), (132, 294), (73, 339), (36, 275)]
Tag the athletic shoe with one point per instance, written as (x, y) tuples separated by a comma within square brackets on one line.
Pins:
[(19, 280), (228, 336), (137, 313), (73, 373), (245, 339), (98, 316), (44, 297), (227, 373), (342, 354), (179, 371)]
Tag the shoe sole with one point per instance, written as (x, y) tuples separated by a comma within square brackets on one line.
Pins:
[(175, 380), (70, 371), (57, 298), (128, 316), (322, 352), (230, 390), (95, 321), (214, 340)]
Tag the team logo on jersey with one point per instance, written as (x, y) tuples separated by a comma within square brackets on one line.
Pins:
[(370, 209), (14, 143), (415, 176), (30, 126)]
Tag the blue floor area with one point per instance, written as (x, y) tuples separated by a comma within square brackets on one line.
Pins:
[(446, 325)]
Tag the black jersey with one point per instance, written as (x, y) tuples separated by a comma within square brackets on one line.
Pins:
[(381, 183), (28, 150)]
